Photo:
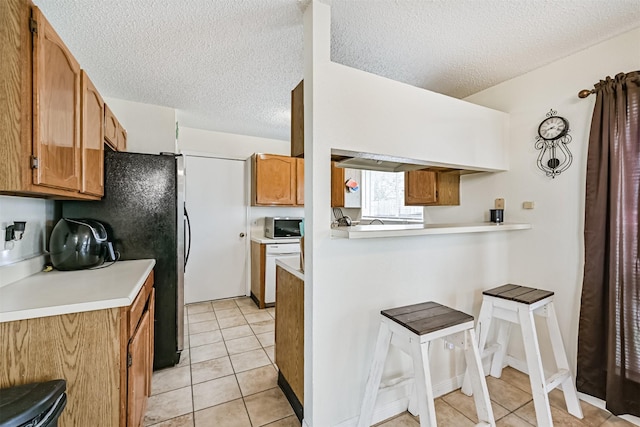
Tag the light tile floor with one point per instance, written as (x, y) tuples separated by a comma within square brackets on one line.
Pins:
[(512, 406), (227, 377)]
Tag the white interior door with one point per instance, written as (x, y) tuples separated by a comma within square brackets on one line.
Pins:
[(215, 198)]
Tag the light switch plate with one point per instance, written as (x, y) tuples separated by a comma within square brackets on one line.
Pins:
[(499, 204)]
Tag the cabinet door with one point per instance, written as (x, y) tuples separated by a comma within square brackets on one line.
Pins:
[(275, 180), (152, 313), (300, 182), (258, 267), (122, 138), (448, 188), (420, 188), (428, 188), (56, 109), (92, 140), (337, 186), (297, 121), (110, 128), (138, 372), (289, 335)]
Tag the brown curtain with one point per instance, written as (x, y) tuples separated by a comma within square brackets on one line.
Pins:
[(609, 329)]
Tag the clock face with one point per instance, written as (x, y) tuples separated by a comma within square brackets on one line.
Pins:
[(553, 128)]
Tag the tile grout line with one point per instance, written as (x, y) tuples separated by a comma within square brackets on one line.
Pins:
[(244, 402), (228, 355)]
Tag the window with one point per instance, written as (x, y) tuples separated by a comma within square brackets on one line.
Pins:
[(383, 197)]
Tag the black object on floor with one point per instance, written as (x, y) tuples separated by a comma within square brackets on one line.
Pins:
[(36, 404)]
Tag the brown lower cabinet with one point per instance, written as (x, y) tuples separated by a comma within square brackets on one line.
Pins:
[(106, 357), (289, 337), (258, 271)]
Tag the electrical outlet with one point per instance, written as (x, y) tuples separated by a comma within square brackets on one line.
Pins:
[(527, 205), (499, 204)]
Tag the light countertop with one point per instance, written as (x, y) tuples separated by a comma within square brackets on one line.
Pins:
[(62, 292), (264, 240), (292, 266), (390, 230)]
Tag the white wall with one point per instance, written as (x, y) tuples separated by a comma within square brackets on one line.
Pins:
[(150, 128), (349, 282), (551, 255), (234, 146), (39, 214), (229, 145)]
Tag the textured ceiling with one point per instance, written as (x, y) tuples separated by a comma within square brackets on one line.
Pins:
[(229, 65)]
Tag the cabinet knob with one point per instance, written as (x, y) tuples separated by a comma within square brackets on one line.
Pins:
[(241, 234)]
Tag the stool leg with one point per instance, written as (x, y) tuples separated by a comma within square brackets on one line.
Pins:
[(375, 375), (568, 387), (413, 400), (534, 364), (423, 386), (482, 331), (475, 374), (504, 331)]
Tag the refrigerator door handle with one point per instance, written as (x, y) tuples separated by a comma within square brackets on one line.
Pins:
[(186, 215)]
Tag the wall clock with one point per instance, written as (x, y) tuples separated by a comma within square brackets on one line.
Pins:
[(553, 137)]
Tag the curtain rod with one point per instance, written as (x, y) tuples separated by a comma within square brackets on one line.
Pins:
[(585, 92)]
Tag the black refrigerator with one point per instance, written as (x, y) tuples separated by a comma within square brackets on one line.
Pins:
[(144, 212)]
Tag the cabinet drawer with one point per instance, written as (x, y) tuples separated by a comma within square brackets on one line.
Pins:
[(137, 308)]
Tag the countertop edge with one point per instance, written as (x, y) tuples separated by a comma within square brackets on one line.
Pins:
[(290, 268), (79, 307), (268, 241), (427, 229)]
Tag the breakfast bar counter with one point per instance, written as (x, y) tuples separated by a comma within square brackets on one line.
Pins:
[(63, 292), (402, 230)]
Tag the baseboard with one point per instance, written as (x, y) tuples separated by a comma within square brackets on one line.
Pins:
[(255, 299), (291, 396), (393, 399)]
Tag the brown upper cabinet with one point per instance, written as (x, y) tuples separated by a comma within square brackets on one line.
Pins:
[(428, 188), (297, 120), (337, 186), (110, 128), (275, 181), (114, 134), (122, 138), (300, 182), (56, 112), (51, 116), (92, 138)]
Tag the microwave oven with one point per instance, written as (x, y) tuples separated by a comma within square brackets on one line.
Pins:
[(282, 227)]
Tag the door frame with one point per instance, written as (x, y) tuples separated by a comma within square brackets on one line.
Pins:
[(247, 195)]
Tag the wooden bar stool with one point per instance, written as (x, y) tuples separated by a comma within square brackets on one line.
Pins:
[(412, 328), (517, 304)]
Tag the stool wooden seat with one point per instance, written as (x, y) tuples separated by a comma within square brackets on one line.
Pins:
[(517, 304), (412, 328)]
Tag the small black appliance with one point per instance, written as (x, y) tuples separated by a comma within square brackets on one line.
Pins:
[(77, 244)]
